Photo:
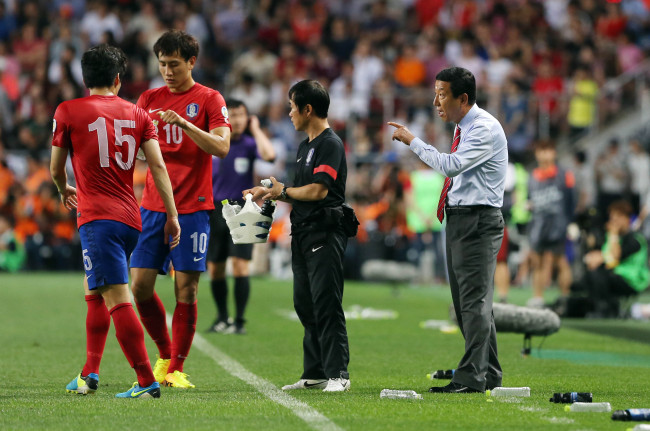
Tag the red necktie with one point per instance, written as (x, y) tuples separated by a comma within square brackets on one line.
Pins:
[(447, 185)]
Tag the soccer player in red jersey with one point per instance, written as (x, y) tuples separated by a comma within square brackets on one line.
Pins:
[(103, 133), (192, 122)]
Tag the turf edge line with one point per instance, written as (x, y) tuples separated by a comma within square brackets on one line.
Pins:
[(311, 416)]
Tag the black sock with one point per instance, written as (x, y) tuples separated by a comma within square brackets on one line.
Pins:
[(242, 291), (220, 295)]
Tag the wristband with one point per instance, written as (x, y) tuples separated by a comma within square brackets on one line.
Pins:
[(283, 195)]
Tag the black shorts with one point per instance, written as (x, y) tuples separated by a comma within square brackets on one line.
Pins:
[(557, 248), (221, 246)]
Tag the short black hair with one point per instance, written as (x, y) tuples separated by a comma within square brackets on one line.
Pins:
[(236, 103), (177, 42), (310, 92), (461, 80), (101, 64)]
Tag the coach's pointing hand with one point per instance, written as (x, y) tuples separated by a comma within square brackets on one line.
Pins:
[(401, 133)]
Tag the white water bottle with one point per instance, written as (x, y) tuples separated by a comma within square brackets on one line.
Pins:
[(509, 392), (588, 407), (227, 210), (395, 394), (641, 427), (250, 205)]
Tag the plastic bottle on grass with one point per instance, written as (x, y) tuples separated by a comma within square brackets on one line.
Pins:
[(588, 407), (395, 394), (640, 427), (631, 415), (571, 397), (509, 392)]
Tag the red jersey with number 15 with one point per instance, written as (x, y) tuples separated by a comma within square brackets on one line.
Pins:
[(189, 167), (103, 135)]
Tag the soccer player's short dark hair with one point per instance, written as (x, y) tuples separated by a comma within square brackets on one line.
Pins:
[(236, 103), (174, 42), (101, 64), (310, 92), (621, 207), (461, 80)]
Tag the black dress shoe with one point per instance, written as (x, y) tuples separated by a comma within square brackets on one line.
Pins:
[(453, 388)]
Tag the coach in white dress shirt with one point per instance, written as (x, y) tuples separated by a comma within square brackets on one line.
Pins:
[(471, 201)]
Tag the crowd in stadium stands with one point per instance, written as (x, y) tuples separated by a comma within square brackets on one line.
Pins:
[(533, 60)]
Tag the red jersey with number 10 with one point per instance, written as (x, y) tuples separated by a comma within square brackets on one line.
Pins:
[(103, 135), (189, 167)]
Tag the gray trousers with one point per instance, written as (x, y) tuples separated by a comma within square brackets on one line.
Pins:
[(474, 236)]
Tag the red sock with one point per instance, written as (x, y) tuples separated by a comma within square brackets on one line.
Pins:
[(152, 314), (131, 338), (183, 328), (98, 321)]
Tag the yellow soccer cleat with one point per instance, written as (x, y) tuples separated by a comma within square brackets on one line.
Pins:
[(160, 369), (178, 379)]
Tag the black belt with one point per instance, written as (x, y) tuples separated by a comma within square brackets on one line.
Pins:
[(467, 209)]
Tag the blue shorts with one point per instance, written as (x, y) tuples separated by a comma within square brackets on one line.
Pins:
[(106, 246), (189, 255)]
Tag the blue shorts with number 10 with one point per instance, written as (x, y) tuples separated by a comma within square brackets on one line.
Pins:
[(189, 255)]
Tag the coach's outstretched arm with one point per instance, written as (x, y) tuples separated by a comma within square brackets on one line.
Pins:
[(164, 186)]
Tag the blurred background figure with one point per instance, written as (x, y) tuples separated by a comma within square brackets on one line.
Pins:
[(230, 176), (423, 183), (12, 252), (618, 270), (550, 192)]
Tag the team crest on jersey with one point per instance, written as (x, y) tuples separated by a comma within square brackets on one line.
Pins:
[(192, 110), (310, 154), (224, 112), (53, 126)]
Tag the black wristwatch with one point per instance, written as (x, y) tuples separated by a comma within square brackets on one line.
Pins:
[(283, 194)]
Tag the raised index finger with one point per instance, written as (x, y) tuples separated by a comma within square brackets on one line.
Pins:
[(399, 126)]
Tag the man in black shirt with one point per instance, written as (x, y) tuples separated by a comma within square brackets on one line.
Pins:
[(318, 240)]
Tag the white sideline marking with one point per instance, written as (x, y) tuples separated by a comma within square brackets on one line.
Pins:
[(311, 416)]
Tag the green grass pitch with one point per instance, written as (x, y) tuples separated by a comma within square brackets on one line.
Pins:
[(42, 341)]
